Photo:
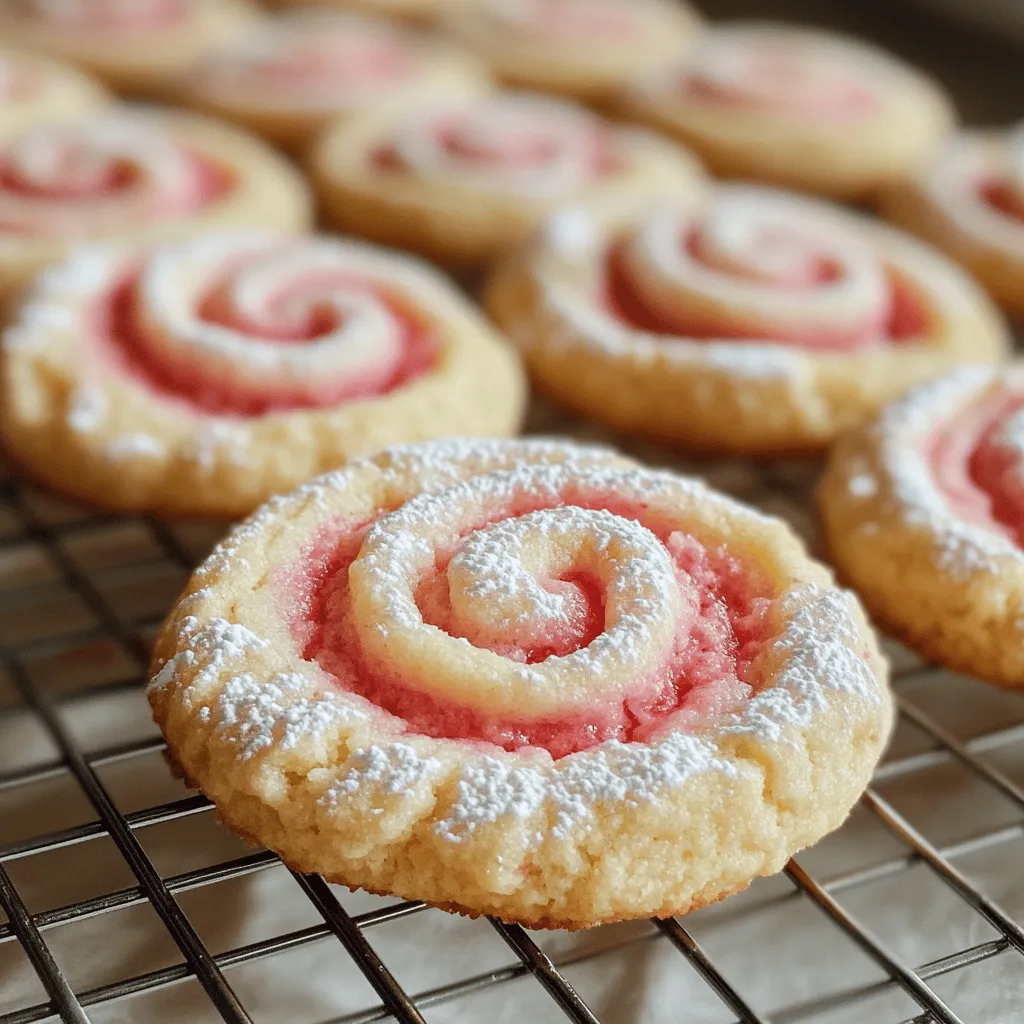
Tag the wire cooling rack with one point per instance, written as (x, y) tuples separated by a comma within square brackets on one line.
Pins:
[(897, 918)]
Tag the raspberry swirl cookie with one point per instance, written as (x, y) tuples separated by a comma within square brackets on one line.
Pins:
[(970, 203), (585, 49), (923, 512), (204, 376), (35, 90), (796, 107), (523, 679), (133, 45), (750, 321), (288, 77), (460, 181), (135, 176), (419, 11)]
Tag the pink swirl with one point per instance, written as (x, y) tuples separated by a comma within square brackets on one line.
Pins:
[(754, 266), (590, 615), (336, 58), (240, 325), (977, 459), (99, 175), (105, 15), (526, 143), (777, 73), (1002, 186)]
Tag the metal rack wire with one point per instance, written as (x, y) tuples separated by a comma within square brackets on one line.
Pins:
[(26, 529)]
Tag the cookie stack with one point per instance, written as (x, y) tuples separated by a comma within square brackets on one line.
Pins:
[(518, 677)]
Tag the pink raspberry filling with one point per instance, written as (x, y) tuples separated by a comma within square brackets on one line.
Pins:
[(707, 672), (903, 319), (979, 469), (1004, 198), (120, 336), (515, 150)]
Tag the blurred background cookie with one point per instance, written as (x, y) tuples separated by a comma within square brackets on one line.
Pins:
[(35, 90), (461, 181), (140, 175), (289, 76), (796, 107), (584, 49), (206, 376), (969, 201), (741, 320), (132, 45)]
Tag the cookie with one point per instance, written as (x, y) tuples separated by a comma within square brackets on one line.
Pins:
[(139, 176), (417, 11), (289, 76), (743, 321), (584, 49), (795, 107), (35, 90), (460, 181), (970, 203), (204, 376), (133, 47), (923, 512), (524, 679)]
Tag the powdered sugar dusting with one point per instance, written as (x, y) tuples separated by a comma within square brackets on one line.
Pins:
[(210, 647), (396, 770), (86, 410), (136, 445), (279, 712), (493, 789), (961, 547)]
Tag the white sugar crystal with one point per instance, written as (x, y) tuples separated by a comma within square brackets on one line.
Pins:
[(213, 646), (86, 410), (136, 445), (278, 712), (395, 769)]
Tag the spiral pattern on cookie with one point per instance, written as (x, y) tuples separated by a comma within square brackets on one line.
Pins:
[(100, 175), (780, 73), (520, 143), (317, 58), (977, 460), (755, 265), (979, 183), (103, 15), (244, 324), (553, 606)]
